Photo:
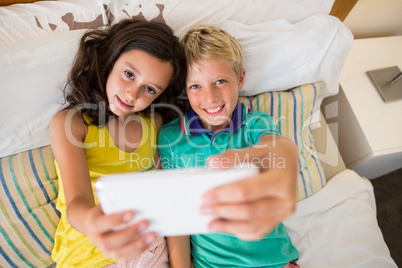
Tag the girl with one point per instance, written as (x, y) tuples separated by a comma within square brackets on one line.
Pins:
[(108, 128)]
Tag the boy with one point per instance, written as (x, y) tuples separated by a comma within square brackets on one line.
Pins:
[(216, 122)]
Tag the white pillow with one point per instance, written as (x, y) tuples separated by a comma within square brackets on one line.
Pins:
[(287, 43), (337, 226), (279, 55), (32, 75), (22, 22), (183, 14), (33, 72)]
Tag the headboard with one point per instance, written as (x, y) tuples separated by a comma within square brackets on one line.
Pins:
[(10, 2), (340, 9)]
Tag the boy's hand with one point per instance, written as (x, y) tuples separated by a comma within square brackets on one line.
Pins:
[(251, 208), (123, 244)]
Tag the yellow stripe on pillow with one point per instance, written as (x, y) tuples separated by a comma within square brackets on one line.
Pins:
[(28, 216), (292, 111)]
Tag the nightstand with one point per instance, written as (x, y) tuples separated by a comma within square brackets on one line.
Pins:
[(369, 130)]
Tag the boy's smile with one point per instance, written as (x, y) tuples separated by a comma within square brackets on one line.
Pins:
[(212, 90)]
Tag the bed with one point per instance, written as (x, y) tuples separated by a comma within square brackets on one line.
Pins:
[(293, 53)]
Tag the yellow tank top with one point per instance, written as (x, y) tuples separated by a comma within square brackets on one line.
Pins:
[(71, 248)]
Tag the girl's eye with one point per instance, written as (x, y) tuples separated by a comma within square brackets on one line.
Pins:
[(194, 86), (150, 90), (220, 81), (129, 75)]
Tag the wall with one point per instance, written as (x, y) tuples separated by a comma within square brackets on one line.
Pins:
[(375, 18)]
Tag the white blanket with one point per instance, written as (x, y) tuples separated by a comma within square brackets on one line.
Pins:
[(337, 227)]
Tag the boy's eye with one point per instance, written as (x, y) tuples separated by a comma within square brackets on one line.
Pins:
[(220, 81), (150, 90), (129, 74), (194, 86)]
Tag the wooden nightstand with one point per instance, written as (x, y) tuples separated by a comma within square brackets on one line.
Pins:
[(369, 130)]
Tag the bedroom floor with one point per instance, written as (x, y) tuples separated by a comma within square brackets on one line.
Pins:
[(388, 194)]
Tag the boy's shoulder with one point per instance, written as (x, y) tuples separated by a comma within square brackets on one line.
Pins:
[(260, 120), (171, 127), (255, 114), (248, 113), (169, 132)]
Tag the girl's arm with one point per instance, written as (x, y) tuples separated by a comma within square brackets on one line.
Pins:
[(253, 207), (179, 251), (178, 246), (67, 133)]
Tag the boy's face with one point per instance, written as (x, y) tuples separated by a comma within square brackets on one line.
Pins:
[(213, 93)]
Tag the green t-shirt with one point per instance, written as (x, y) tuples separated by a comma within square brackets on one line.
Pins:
[(183, 143)]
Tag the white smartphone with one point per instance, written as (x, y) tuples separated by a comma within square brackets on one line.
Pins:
[(169, 199)]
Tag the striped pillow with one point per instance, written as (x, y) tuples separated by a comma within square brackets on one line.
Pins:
[(28, 215), (294, 108)]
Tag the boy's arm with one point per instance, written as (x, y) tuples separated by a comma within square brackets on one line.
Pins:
[(179, 251), (251, 208)]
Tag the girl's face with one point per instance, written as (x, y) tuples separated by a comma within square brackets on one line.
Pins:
[(135, 81)]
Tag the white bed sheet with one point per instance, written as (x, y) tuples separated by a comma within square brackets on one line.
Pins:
[(337, 227)]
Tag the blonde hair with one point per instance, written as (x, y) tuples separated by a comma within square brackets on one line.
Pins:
[(208, 42)]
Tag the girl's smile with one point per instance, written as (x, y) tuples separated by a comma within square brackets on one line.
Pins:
[(124, 105)]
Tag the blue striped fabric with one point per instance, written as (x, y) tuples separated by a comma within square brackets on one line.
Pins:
[(28, 217), (292, 109), (39, 181), (4, 255), (17, 209)]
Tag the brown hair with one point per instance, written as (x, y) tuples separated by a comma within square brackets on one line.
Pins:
[(99, 50)]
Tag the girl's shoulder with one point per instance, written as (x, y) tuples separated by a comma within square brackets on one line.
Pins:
[(152, 118), (69, 121), (158, 120)]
